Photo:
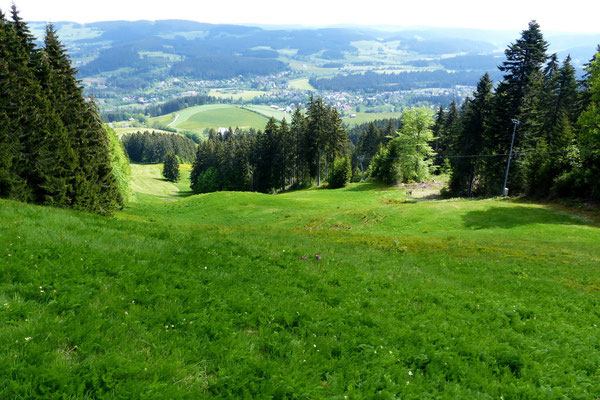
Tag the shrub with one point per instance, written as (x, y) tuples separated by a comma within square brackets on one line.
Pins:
[(340, 173), (208, 181)]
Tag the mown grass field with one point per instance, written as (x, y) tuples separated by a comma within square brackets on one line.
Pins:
[(362, 117), (301, 84), (221, 296), (198, 118)]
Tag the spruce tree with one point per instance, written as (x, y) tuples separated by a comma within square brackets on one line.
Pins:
[(437, 128), (171, 167), (517, 97), (93, 184), (470, 140), (315, 137), (369, 143), (589, 135), (298, 132)]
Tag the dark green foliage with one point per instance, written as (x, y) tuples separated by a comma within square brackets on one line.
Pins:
[(55, 150), (279, 157), (151, 147), (385, 166), (445, 129), (518, 96), (171, 167), (224, 163), (225, 66), (555, 144), (325, 137), (470, 141), (369, 143), (373, 81), (340, 173), (589, 138)]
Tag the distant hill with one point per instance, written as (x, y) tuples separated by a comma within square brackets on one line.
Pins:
[(139, 59)]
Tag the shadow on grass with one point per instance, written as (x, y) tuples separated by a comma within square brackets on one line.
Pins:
[(362, 187), (510, 217), (184, 193)]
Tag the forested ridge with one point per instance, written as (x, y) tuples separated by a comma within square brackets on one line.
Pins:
[(53, 147), (372, 82)]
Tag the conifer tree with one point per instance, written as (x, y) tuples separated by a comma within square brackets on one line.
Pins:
[(589, 135), (517, 97), (449, 129), (437, 128), (171, 167), (315, 137), (470, 140), (369, 143), (93, 184), (48, 161), (298, 132)]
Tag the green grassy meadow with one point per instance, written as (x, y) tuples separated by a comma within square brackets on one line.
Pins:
[(301, 84), (198, 118), (358, 293), (363, 118)]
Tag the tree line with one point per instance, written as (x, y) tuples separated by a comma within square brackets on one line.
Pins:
[(53, 147), (156, 110), (152, 147), (552, 114), (371, 82), (281, 156)]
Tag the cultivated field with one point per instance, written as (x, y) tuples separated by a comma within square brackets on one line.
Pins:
[(353, 293)]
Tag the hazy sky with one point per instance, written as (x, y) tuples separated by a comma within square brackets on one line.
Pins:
[(571, 16)]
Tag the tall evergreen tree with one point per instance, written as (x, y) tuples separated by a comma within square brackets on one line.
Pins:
[(93, 184), (298, 132), (315, 137), (589, 136), (369, 143), (517, 97), (43, 154), (447, 133), (171, 167), (437, 128), (470, 140)]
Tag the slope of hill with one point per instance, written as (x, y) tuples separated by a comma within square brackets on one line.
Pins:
[(311, 294)]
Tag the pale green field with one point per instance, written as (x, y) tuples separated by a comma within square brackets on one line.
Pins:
[(244, 95), (124, 131), (147, 179), (362, 117), (301, 84), (269, 112), (164, 119), (217, 115)]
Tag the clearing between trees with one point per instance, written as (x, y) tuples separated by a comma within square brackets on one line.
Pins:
[(319, 293)]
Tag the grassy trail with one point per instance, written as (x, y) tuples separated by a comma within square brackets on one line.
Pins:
[(353, 293), (147, 179)]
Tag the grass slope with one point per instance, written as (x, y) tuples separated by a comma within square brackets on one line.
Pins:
[(198, 118), (362, 117), (211, 296), (148, 179)]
